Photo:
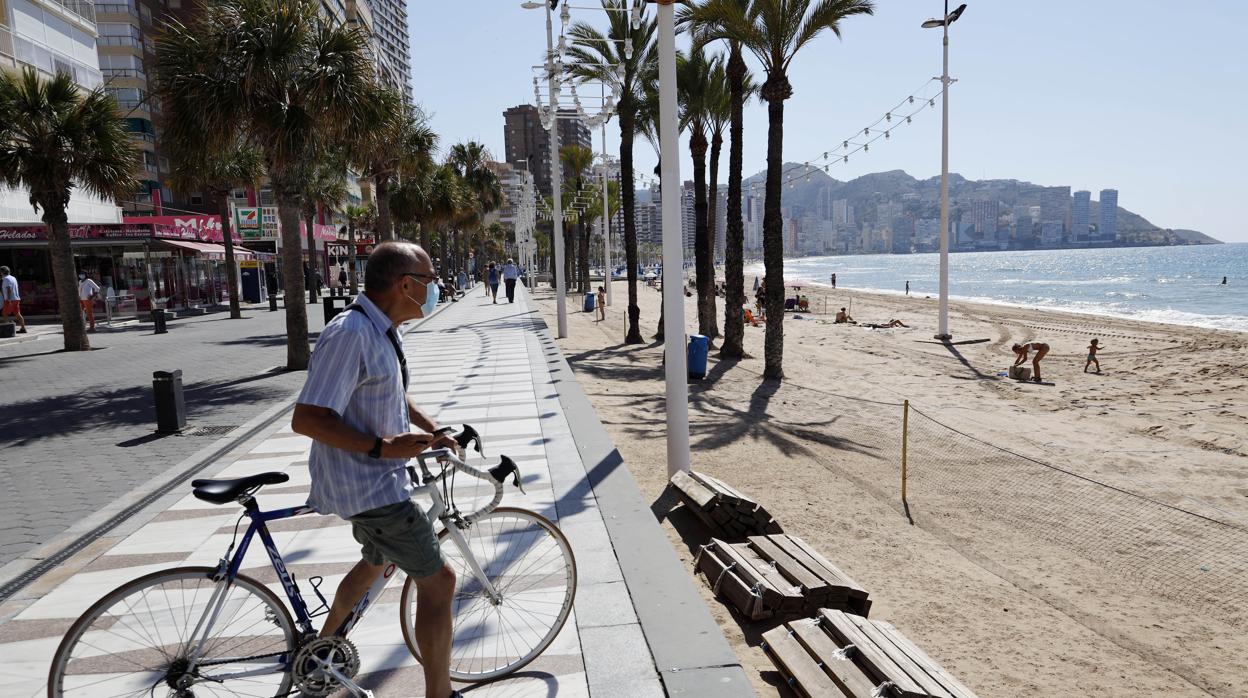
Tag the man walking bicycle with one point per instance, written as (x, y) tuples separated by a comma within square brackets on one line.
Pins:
[(356, 409)]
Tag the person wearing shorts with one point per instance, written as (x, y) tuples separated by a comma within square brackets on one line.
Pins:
[(12, 299), (356, 409), (87, 291), (491, 278)]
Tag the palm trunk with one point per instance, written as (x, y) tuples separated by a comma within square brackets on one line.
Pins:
[(426, 237), (702, 264), (385, 230), (227, 234), (734, 234), (355, 285), (712, 203), (555, 271), (583, 255), (627, 198), (65, 278), (312, 270), (773, 243), (297, 354)]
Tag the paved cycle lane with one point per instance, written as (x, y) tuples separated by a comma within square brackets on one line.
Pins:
[(633, 632)]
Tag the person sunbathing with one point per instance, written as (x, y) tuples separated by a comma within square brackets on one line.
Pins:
[(886, 325), (843, 317)]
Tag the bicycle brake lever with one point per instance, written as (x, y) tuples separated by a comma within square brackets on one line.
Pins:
[(507, 467), (469, 436)]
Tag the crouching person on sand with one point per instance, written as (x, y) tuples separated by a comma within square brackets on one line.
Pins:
[(1020, 356)]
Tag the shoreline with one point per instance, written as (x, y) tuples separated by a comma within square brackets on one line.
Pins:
[(825, 286)]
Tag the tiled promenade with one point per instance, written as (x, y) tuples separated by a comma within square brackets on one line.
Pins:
[(492, 366)]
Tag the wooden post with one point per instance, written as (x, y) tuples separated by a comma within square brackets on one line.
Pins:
[(905, 439)]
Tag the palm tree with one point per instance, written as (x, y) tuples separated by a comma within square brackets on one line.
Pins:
[(357, 215), (579, 159), (590, 52), (395, 141), (55, 138), (217, 171), (693, 76), (471, 161), (324, 189), (295, 82), (728, 105), (774, 31)]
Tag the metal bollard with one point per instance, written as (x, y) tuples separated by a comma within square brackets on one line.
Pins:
[(159, 320), (170, 402), (272, 302)]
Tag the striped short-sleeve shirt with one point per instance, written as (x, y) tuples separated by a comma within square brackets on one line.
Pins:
[(354, 372)]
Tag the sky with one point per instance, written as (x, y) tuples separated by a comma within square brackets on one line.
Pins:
[(1140, 96)]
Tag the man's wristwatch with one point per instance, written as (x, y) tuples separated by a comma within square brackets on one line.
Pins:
[(375, 452)]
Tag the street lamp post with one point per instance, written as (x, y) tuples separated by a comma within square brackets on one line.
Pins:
[(673, 252), (949, 18)]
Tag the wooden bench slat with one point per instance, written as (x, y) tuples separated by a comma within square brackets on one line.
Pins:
[(791, 568), (789, 597), (879, 664), (921, 676), (793, 659), (838, 576), (847, 676), (694, 491), (730, 585), (951, 684)]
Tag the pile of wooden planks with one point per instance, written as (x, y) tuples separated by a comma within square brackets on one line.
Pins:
[(839, 654), (721, 507), (778, 576)]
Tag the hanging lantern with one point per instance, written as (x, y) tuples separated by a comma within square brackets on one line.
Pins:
[(888, 116), (866, 132), (886, 135), (845, 145), (912, 99), (866, 147), (907, 119)]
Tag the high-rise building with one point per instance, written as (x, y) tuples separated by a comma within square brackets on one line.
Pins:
[(1081, 217), (688, 226), (984, 215), (390, 41), (1055, 206), (52, 36), (1107, 229), (527, 143), (752, 211), (842, 213)]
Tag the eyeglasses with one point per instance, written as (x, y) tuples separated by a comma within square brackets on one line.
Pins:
[(414, 275)]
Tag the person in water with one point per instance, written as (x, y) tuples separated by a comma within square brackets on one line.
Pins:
[(1092, 349), (1020, 356)]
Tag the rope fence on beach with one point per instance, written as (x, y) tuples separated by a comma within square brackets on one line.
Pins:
[(1006, 507)]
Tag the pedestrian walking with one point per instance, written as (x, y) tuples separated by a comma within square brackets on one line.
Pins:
[(356, 409), (907, 288), (491, 278), (87, 292), (12, 306), (511, 273), (834, 281), (342, 276)]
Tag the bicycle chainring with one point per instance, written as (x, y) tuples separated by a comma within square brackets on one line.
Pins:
[(311, 677)]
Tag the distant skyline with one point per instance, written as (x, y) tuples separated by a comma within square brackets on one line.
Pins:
[(1142, 97)]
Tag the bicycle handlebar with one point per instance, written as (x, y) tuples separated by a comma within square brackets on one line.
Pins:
[(496, 475)]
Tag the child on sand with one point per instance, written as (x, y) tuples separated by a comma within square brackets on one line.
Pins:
[(602, 303), (1092, 349), (1020, 351)]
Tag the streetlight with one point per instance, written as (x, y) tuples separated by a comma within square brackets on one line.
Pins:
[(561, 305), (949, 18), (673, 251)]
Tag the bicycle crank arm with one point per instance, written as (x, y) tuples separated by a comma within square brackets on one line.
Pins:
[(344, 680)]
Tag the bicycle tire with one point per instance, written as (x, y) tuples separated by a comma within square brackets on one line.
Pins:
[(465, 607), (92, 664)]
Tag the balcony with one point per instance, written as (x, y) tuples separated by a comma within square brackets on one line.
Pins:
[(83, 9), (143, 136), (124, 73), (112, 8), (150, 169), (128, 41)]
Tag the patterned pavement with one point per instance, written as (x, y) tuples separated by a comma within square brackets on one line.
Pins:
[(475, 363)]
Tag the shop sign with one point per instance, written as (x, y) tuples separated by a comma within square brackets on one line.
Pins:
[(102, 231), (364, 250), (204, 228), (336, 249), (324, 233), (248, 219)]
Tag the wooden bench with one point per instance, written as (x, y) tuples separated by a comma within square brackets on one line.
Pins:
[(722, 508), (840, 654), (777, 576)]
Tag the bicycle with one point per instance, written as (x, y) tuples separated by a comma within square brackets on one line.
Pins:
[(516, 582)]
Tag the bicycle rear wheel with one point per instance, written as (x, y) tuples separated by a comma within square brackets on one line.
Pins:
[(529, 562), (137, 641)]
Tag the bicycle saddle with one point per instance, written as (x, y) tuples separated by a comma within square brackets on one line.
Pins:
[(226, 491)]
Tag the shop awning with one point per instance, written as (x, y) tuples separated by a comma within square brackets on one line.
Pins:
[(213, 251)]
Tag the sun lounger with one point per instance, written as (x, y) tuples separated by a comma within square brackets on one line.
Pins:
[(723, 509)]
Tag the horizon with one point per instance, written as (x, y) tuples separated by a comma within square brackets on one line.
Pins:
[(1051, 116)]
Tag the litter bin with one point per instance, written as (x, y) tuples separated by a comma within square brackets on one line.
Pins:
[(334, 305), (170, 402), (699, 347), (159, 321), (8, 330), (589, 302)]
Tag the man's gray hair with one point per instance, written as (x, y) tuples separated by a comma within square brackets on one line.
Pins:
[(387, 264), (4, 270)]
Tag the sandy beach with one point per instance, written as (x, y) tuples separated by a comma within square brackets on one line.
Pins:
[(1103, 552)]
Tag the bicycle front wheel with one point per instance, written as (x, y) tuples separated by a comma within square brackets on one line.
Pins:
[(177, 632), (529, 562)]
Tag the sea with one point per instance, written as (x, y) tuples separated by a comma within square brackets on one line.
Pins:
[(1179, 285)]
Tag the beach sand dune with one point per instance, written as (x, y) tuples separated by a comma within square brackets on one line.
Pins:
[(1103, 552)]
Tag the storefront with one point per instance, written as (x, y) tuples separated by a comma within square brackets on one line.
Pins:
[(165, 261), (260, 230)]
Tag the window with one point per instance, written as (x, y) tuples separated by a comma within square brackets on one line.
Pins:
[(146, 14), (118, 29), (197, 199)]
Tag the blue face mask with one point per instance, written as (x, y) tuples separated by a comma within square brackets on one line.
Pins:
[(432, 294)]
